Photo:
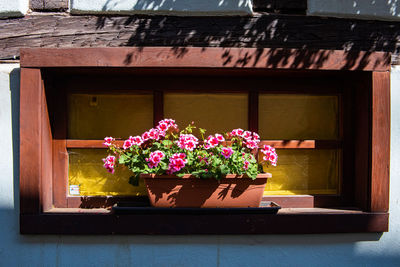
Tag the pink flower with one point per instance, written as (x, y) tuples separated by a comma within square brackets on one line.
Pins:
[(246, 164), (154, 134), (227, 152), (219, 137), (237, 132), (212, 141), (256, 136), (109, 163), (127, 144), (270, 154), (251, 144), (145, 136), (247, 135), (267, 149), (165, 125), (187, 141), (155, 158), (240, 132), (136, 140), (162, 126), (177, 162), (108, 140), (273, 158)]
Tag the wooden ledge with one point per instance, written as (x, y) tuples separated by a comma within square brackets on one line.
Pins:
[(287, 221)]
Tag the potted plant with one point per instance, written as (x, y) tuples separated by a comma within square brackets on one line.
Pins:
[(181, 171)]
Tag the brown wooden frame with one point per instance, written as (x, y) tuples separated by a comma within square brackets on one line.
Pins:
[(42, 144)]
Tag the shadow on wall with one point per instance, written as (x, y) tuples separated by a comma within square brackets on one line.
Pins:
[(14, 88), (389, 7)]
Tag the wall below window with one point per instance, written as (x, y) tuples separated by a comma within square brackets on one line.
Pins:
[(258, 250)]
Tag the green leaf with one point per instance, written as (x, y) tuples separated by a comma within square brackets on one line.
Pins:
[(122, 159), (224, 169)]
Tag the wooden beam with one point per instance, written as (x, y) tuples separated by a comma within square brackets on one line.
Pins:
[(30, 140), (260, 30), (200, 57), (380, 141)]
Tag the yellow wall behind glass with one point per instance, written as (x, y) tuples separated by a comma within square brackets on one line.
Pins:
[(294, 116), (86, 170), (98, 116), (304, 171), (217, 113)]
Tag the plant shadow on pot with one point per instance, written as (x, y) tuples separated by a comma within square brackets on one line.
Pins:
[(204, 193)]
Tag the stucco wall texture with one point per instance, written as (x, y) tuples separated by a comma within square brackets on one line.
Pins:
[(256, 250)]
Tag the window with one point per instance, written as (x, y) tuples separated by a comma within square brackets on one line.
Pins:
[(328, 126)]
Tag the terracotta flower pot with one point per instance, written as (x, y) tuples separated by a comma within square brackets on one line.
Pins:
[(231, 192)]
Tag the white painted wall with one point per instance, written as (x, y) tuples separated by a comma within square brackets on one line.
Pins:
[(170, 7), (204, 251), (367, 9), (13, 8)]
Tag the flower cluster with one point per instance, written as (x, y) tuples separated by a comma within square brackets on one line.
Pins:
[(227, 152), (165, 150), (152, 134), (177, 162), (155, 158), (251, 139), (187, 141), (269, 154), (213, 141), (135, 140), (165, 125), (109, 163), (108, 141)]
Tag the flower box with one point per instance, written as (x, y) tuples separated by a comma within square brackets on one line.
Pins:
[(181, 171), (233, 191)]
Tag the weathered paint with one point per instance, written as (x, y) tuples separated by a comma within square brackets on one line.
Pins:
[(367, 9), (256, 250), (172, 7), (13, 8)]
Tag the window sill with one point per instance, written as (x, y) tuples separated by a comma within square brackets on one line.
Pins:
[(287, 221)]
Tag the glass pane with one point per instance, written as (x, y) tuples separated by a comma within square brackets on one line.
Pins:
[(217, 113), (289, 116), (98, 116), (304, 171), (86, 170)]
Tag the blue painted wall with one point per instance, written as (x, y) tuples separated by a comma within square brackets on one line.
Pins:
[(270, 250)]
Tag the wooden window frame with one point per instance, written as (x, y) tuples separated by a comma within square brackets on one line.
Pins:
[(40, 213)]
